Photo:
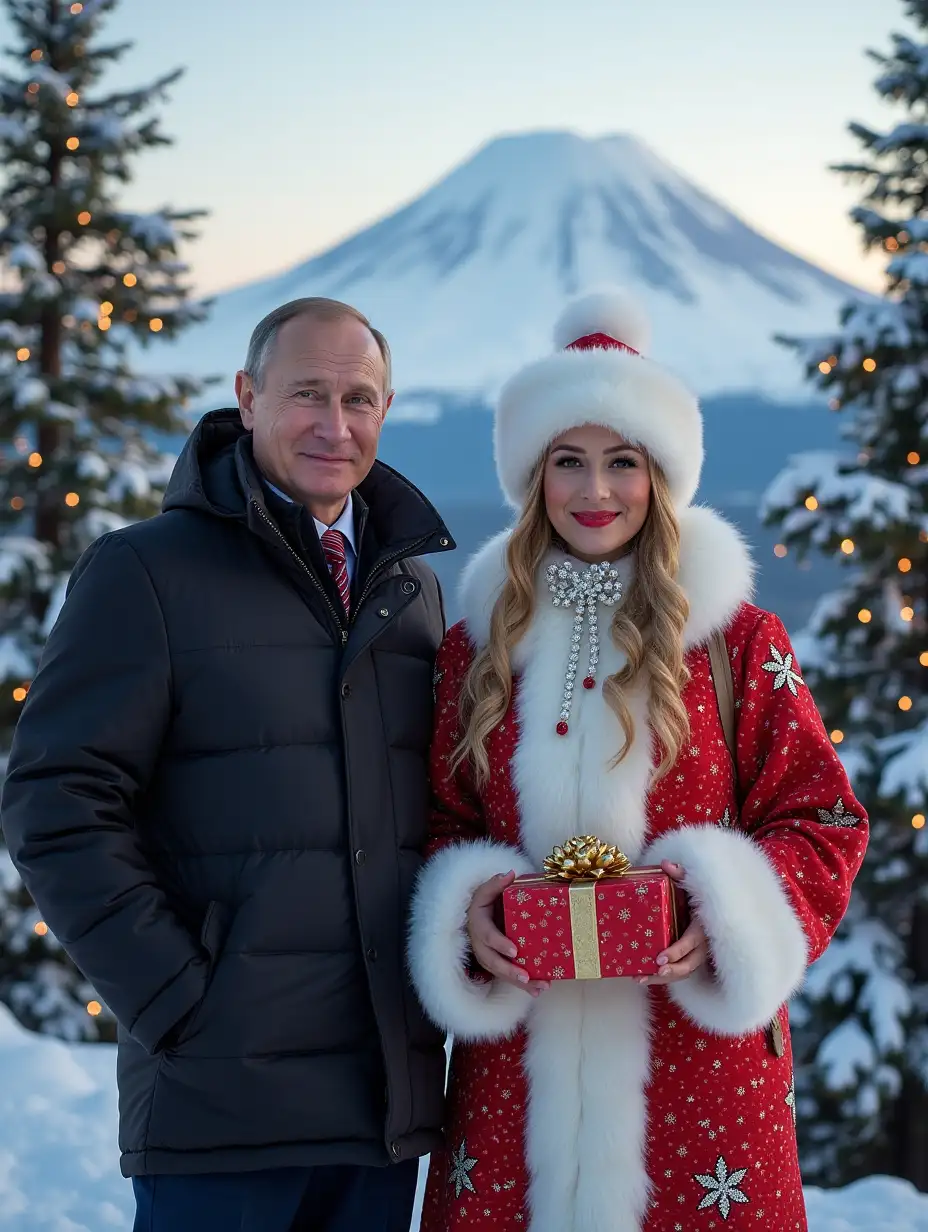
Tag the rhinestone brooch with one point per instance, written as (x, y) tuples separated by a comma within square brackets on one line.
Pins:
[(584, 591)]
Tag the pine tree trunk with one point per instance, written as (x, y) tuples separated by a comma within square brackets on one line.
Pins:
[(48, 515), (913, 1121)]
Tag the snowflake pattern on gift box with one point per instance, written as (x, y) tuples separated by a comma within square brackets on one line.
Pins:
[(722, 1187)]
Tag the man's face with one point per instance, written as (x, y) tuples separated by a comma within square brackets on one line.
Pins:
[(317, 418)]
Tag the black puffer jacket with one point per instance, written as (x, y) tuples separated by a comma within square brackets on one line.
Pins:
[(217, 796)]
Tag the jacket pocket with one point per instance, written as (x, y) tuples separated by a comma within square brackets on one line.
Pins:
[(213, 933)]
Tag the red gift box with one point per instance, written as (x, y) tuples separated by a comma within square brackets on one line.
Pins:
[(610, 923)]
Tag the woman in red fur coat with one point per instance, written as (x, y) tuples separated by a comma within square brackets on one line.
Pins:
[(664, 1104)]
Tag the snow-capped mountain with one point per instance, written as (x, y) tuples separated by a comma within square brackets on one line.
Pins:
[(467, 279)]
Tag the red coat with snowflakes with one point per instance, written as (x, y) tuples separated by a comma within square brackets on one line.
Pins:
[(608, 1106)]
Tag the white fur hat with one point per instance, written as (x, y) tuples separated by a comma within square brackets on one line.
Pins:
[(598, 375)]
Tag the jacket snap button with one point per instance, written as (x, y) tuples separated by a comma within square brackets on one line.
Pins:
[(443, 543), (409, 588), (372, 954), (346, 690), (360, 856), (384, 611)]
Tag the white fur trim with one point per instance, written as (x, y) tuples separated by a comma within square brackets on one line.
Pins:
[(560, 777), (716, 573), (588, 1051), (758, 946), (634, 396), (439, 947), (608, 311)]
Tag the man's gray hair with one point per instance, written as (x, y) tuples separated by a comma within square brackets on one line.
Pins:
[(264, 335)]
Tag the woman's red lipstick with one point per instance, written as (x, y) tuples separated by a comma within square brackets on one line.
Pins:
[(595, 519)]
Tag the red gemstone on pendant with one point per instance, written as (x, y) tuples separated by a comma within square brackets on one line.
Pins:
[(589, 683), (561, 728)]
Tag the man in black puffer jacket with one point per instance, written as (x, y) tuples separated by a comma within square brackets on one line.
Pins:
[(218, 791)]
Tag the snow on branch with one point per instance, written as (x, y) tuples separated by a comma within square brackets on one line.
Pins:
[(20, 552), (153, 231), (13, 660), (911, 267), (902, 137), (25, 256), (906, 772), (871, 950), (837, 484), (55, 81)]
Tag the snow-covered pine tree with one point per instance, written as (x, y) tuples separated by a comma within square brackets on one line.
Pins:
[(82, 282), (862, 1024)]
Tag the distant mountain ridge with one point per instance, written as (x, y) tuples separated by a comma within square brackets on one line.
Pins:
[(467, 279)]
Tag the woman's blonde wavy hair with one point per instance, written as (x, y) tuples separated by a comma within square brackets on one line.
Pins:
[(648, 626)]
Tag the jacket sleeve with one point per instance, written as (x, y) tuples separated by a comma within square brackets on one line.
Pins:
[(460, 857), (771, 890), (84, 751)]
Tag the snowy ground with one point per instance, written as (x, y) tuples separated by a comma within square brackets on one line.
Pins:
[(59, 1171)]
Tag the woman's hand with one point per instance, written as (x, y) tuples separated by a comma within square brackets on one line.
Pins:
[(492, 949), (687, 954)]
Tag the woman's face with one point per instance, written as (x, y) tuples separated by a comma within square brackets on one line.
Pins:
[(597, 491)]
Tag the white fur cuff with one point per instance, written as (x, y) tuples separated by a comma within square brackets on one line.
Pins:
[(439, 949), (757, 944)]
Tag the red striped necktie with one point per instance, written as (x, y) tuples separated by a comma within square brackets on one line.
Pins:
[(333, 548)]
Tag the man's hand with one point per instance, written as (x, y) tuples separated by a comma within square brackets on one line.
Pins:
[(492, 949), (687, 954)]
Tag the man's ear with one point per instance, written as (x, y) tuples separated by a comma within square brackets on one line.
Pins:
[(388, 403), (245, 396)]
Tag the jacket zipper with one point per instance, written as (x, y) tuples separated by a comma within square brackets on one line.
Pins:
[(384, 564), (306, 569)]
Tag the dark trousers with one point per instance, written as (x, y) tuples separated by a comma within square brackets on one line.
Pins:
[(333, 1199)]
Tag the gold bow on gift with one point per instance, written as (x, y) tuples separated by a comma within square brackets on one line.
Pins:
[(585, 858)]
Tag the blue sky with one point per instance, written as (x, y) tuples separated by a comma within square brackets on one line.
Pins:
[(299, 121)]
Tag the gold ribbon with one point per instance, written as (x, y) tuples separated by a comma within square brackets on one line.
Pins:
[(582, 862)]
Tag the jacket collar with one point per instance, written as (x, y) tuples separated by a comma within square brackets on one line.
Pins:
[(216, 474)]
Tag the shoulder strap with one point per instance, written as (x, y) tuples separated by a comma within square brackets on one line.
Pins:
[(724, 689)]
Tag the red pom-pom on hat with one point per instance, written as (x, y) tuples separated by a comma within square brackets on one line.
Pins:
[(605, 319)]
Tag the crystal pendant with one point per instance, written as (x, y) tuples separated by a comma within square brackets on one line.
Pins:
[(584, 591)]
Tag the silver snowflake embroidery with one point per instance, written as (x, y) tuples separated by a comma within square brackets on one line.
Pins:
[(838, 816), (790, 1099), (782, 669), (726, 819), (558, 973), (437, 678), (723, 1187), (459, 1175)]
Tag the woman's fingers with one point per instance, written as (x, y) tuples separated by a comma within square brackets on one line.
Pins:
[(694, 935), (486, 894), (691, 962), (676, 872), (496, 964)]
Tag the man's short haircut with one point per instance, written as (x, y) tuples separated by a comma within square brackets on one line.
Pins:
[(264, 335)]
